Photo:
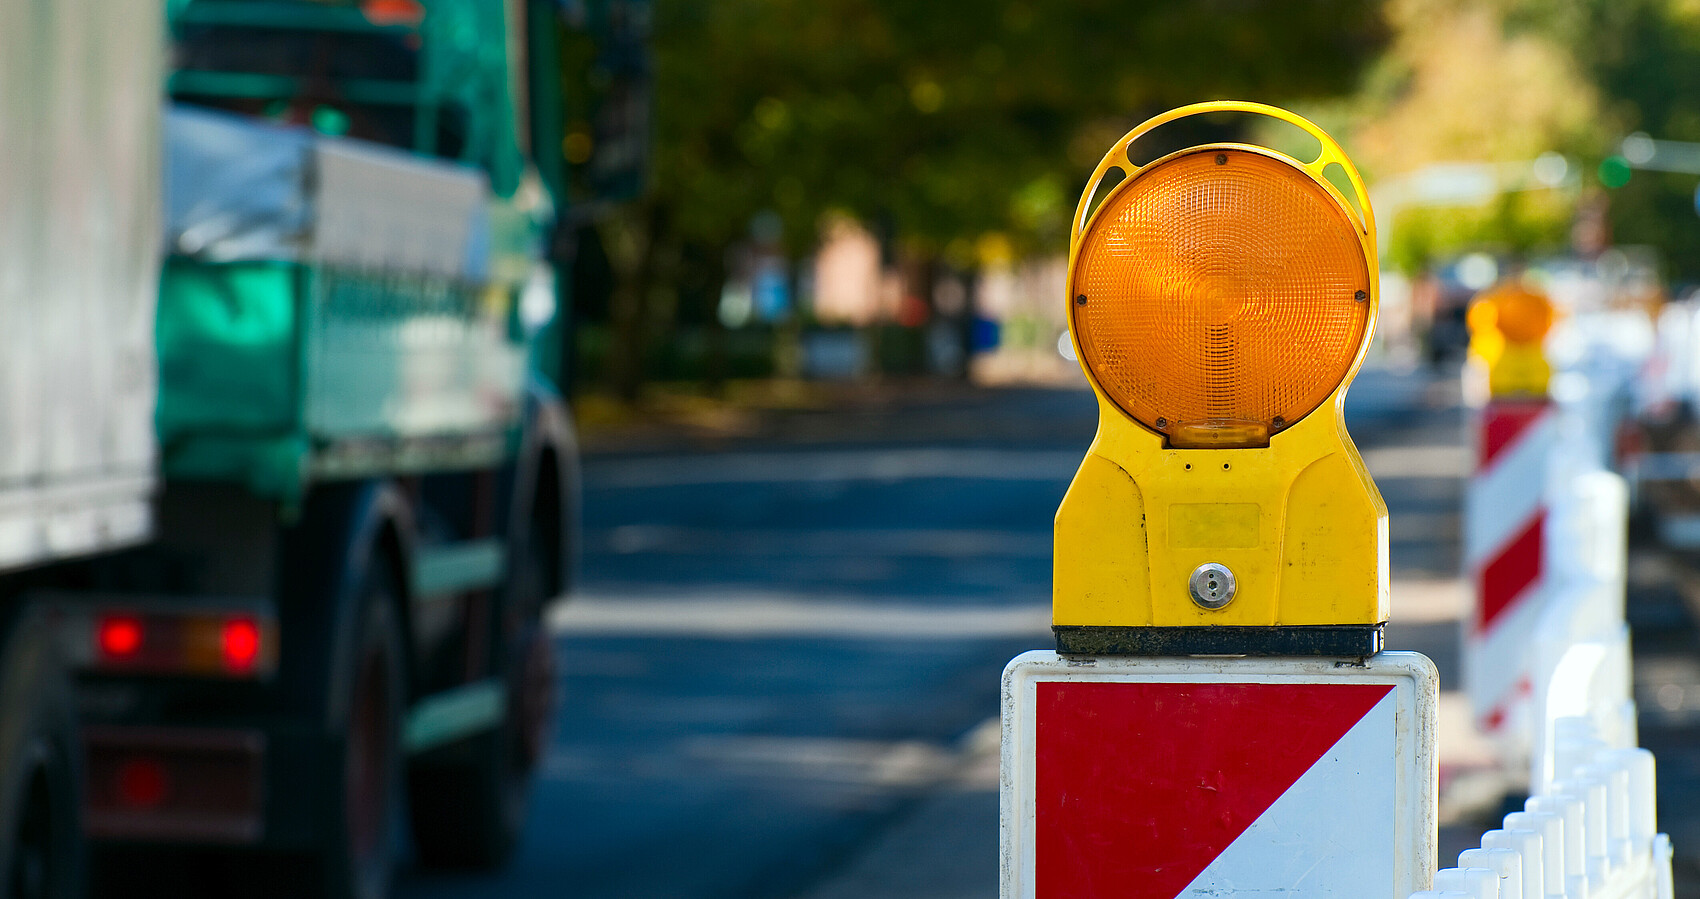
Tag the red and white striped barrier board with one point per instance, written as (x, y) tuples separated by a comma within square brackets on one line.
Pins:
[(1505, 516), (1199, 777)]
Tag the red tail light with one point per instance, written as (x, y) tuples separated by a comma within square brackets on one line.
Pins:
[(240, 643), (142, 782), (169, 641), (119, 637), (393, 12)]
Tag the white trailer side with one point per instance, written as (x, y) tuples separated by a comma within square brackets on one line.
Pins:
[(80, 101)]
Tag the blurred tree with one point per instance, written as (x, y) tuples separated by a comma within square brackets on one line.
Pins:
[(952, 117), (946, 120), (1645, 57), (1503, 80), (1462, 81), (1471, 81)]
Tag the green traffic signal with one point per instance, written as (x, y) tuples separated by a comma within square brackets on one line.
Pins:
[(1614, 171)]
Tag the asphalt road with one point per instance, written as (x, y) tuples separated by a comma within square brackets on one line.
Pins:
[(775, 650), (780, 672)]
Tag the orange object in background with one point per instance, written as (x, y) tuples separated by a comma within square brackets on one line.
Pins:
[(393, 12), (1524, 316), (1220, 296), (1508, 324), (1483, 316)]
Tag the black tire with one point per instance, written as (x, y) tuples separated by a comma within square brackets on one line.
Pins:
[(42, 848), (361, 804), (469, 802)]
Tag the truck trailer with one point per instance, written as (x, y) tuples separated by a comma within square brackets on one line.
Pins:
[(290, 485), (79, 263)]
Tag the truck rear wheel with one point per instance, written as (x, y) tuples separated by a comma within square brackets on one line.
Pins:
[(469, 805), (358, 853), (42, 848)]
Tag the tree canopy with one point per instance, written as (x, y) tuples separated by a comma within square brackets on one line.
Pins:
[(1645, 57), (1506, 80), (941, 121)]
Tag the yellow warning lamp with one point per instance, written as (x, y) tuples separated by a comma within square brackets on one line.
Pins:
[(1220, 300), (1486, 343), (1508, 326)]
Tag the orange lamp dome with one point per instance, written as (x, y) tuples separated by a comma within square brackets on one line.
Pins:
[(1220, 295)]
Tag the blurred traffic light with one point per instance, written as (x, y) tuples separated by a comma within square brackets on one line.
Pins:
[(1614, 171)]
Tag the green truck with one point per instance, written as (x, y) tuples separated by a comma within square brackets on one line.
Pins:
[(292, 343)]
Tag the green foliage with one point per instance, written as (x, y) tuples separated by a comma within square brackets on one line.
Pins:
[(944, 126), (1657, 209), (1476, 82), (1516, 223), (1644, 55), (944, 120)]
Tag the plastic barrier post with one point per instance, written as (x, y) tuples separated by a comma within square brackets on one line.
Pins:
[(1590, 837), (1505, 864), (1527, 844), (1477, 883)]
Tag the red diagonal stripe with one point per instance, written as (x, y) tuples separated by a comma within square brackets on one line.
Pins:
[(1502, 424), (1140, 786), (1510, 573)]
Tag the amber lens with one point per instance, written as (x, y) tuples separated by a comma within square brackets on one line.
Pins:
[(1523, 315), (1219, 296)]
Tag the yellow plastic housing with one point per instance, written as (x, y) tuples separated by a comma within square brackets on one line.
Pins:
[(1190, 465)]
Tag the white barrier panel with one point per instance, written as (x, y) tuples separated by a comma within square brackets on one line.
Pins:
[(1592, 835), (1590, 829), (1477, 883), (1581, 654), (1505, 864)]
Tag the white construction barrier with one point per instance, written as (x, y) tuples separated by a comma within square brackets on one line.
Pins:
[(1581, 654), (1545, 532), (1589, 829), (1591, 835)]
